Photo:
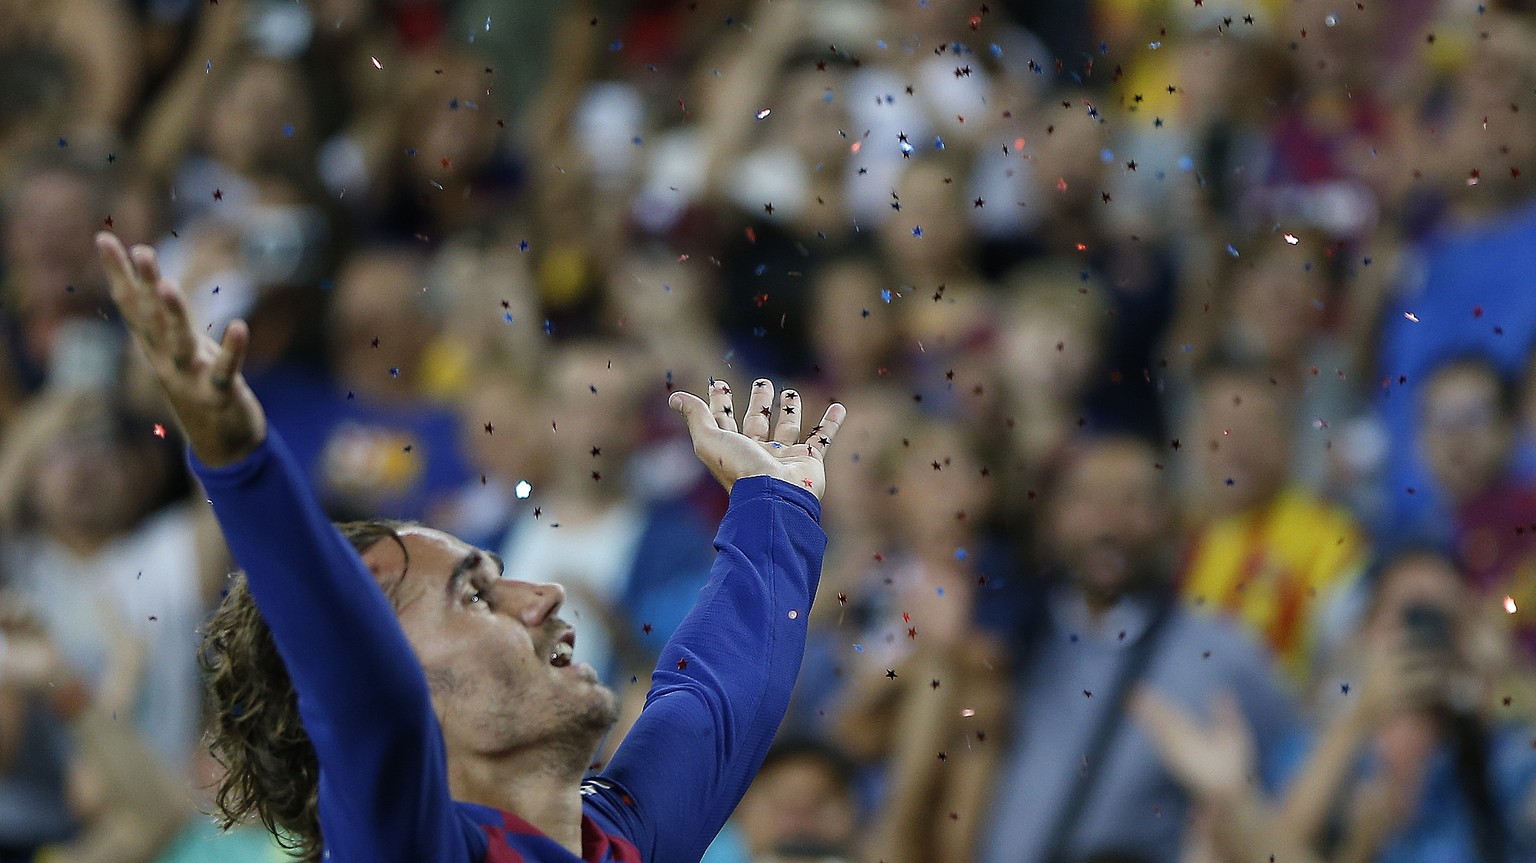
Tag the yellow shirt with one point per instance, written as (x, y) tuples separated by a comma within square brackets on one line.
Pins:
[(1272, 568)]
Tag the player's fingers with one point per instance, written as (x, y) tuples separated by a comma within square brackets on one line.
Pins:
[(129, 294), (176, 327), (114, 259), (237, 339), (759, 410), (788, 429), (145, 264), (720, 405), (822, 433)]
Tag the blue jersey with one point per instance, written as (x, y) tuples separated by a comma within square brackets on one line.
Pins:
[(718, 694)]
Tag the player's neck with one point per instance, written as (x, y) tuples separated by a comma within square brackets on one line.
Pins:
[(539, 787)]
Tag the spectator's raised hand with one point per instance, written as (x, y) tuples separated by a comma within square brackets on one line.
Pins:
[(201, 377), (732, 454), (1212, 762)]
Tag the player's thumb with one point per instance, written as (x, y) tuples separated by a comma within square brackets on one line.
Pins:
[(693, 409)]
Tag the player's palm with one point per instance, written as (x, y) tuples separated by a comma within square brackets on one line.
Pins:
[(759, 446)]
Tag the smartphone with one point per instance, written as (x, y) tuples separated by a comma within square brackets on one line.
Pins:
[(1429, 628)]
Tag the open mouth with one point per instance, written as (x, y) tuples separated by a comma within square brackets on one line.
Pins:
[(564, 646)]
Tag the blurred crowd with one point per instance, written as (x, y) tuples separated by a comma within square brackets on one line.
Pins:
[(1187, 506)]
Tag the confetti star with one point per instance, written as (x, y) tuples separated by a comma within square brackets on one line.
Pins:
[(890, 674)]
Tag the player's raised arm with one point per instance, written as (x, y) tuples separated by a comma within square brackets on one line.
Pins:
[(381, 788), (724, 679)]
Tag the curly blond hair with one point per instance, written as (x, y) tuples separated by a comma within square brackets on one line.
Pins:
[(271, 772)]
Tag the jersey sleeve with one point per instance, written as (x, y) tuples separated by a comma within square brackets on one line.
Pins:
[(724, 679), (362, 695)]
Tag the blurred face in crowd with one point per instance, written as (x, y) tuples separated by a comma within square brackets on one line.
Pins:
[(799, 800), (1052, 346), (941, 495), (1490, 128), (1274, 311), (90, 484), (1108, 517), (842, 292), (1243, 440), (381, 294), (1464, 432), (247, 127), (930, 200), (817, 112), (593, 413), (48, 234), (508, 408)]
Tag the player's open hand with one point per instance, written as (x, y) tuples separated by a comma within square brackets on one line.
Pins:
[(731, 452), (201, 377)]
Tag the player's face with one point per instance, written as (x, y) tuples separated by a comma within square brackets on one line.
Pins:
[(497, 658)]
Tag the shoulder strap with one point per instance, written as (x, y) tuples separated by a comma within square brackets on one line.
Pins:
[(1106, 729)]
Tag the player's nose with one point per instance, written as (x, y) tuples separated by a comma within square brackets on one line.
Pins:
[(536, 602)]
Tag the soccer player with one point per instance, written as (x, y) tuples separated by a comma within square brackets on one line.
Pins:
[(386, 693)]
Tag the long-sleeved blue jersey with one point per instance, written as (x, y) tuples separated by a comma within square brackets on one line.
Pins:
[(717, 697)]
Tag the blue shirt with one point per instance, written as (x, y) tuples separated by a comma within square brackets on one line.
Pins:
[(1065, 688), (718, 693), (1473, 294)]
